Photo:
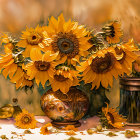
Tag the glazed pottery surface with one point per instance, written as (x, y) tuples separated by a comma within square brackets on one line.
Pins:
[(65, 108)]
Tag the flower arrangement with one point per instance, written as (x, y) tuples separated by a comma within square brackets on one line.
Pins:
[(64, 53)]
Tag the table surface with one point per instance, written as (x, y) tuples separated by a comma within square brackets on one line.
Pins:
[(7, 126)]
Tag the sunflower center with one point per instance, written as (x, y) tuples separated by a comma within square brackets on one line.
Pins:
[(60, 78), (67, 44), (42, 65), (103, 65), (120, 54), (26, 119), (112, 31), (111, 117), (34, 38)]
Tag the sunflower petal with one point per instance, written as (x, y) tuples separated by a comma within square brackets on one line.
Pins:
[(35, 54)]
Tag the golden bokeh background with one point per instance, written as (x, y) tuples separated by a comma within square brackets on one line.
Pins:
[(15, 15)]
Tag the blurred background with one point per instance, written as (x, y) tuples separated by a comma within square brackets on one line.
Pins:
[(16, 14)]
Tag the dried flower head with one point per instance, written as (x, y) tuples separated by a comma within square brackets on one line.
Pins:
[(111, 119), (44, 129), (71, 132), (70, 127)]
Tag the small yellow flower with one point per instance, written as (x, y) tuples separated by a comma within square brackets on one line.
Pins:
[(44, 129), (25, 120)]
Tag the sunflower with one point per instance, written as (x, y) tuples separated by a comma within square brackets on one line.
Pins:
[(126, 56), (100, 67), (7, 41), (113, 32), (25, 120), (42, 67), (44, 129), (8, 48), (7, 65), (21, 79), (68, 38), (113, 118), (5, 38), (32, 38), (64, 78), (11, 65)]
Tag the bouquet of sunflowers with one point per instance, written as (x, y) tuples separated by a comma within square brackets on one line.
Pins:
[(64, 54)]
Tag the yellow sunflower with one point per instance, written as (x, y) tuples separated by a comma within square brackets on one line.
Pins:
[(113, 118), (68, 38), (113, 32), (42, 67), (44, 129), (126, 56), (32, 38), (7, 65), (5, 38), (8, 46), (100, 67), (10, 65), (21, 79), (64, 78), (25, 120)]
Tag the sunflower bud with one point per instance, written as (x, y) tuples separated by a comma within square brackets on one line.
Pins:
[(90, 131), (99, 128), (111, 134)]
